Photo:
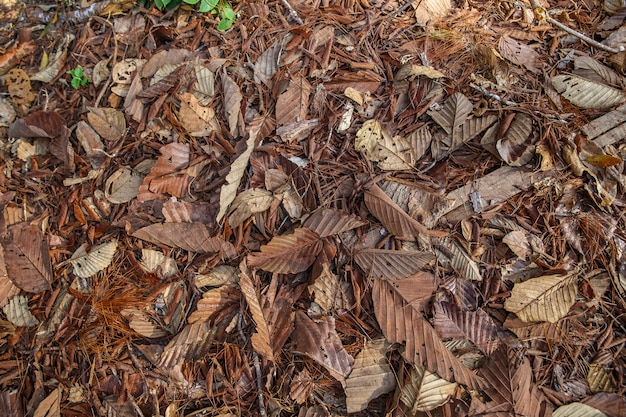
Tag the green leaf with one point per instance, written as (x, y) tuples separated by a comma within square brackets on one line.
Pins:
[(229, 14), (225, 24), (212, 3), (159, 4), (191, 1), (204, 6), (75, 83)]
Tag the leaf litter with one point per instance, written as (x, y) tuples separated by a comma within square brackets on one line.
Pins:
[(383, 208)]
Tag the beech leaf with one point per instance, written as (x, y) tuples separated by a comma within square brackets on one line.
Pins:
[(192, 237), (288, 254)]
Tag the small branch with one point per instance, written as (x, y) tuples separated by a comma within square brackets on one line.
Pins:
[(292, 12)]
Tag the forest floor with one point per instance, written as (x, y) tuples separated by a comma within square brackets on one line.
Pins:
[(360, 207)]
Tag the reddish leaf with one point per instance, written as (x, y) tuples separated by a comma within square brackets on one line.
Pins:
[(477, 326), (192, 237), (41, 124), (393, 264), (288, 254), (27, 259), (327, 222)]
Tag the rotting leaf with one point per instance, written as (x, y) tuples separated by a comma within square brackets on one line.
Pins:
[(288, 254), (99, 257), (371, 376), (519, 53), (547, 298), (17, 312), (378, 146)]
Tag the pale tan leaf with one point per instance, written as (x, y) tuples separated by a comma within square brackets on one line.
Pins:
[(197, 119), (215, 301), (218, 276), (261, 338), (393, 264), (27, 259), (7, 288), (451, 255), (396, 221), (378, 146), (320, 341), (328, 222), (123, 185), (238, 168), (329, 293), (402, 321), (419, 141), (547, 298), (50, 406), (589, 68), (155, 262), (99, 257), (267, 64), (124, 71), (515, 148), (292, 202), (301, 387), (587, 94), (517, 241), (91, 143), (410, 71), (511, 387), (141, 322), (354, 95), (477, 326), (232, 104), (192, 237), (443, 145), (17, 312), (109, 123), (371, 376), (425, 391), (249, 202), (431, 10), (288, 254), (292, 105), (519, 53), (204, 87), (577, 410), (599, 377)]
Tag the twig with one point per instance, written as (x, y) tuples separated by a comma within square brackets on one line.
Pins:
[(542, 13), (292, 12)]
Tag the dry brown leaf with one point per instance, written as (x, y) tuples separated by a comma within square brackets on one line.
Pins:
[(431, 10), (50, 406), (249, 202), (410, 71), (228, 191), (327, 222), (517, 241), (192, 237), (204, 87), (215, 301), (261, 338), (378, 146), (515, 148), (218, 276), (267, 64), (155, 262), (511, 389), (292, 106), (371, 376), (477, 326), (99, 257), (41, 124), (124, 71), (451, 255), (27, 259), (191, 343), (396, 221), (393, 264), (329, 293), (18, 314), (123, 185), (586, 93), (577, 410), (613, 405), (288, 254), (141, 322), (547, 298), (425, 391), (174, 157), (519, 53), (109, 123), (197, 119), (453, 114), (232, 104), (320, 341), (402, 322)]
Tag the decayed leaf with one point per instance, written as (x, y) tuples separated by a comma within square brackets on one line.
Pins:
[(288, 254), (399, 223), (428, 10), (420, 141), (56, 63), (249, 202), (452, 255), (425, 391), (519, 53), (214, 302), (517, 241), (27, 259), (320, 341), (577, 410), (378, 146), (371, 376), (155, 262), (547, 298), (261, 338), (123, 185), (232, 104), (587, 94), (109, 123), (192, 237), (124, 70), (238, 168), (327, 222), (393, 264), (403, 322), (99, 257), (17, 312), (218, 276), (511, 389), (477, 326), (292, 106)]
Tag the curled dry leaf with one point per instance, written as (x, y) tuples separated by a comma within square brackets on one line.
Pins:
[(261, 341), (577, 410), (141, 322), (215, 301), (218, 276), (425, 391), (288, 254), (197, 119), (515, 148), (517, 241), (267, 64), (451, 255), (99, 257), (330, 293), (547, 298), (371, 376), (378, 146), (17, 312), (191, 343), (154, 262), (232, 103), (410, 71), (56, 63)]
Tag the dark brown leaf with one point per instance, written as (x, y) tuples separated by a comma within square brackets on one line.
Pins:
[(327, 222), (41, 124), (192, 237), (27, 259), (393, 264), (288, 254)]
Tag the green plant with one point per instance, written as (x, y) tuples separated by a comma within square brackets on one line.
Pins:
[(78, 77), (222, 8)]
